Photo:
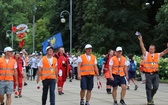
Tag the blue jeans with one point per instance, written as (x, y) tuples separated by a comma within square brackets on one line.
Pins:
[(48, 83)]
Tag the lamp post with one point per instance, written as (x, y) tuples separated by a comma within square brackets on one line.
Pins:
[(10, 33), (63, 20), (33, 30)]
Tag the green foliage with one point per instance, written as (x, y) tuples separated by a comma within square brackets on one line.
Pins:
[(163, 69)]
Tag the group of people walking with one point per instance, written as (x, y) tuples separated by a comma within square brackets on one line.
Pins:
[(55, 68)]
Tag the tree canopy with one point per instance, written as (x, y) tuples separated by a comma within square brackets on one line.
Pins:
[(105, 24)]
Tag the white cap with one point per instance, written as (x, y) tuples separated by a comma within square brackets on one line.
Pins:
[(119, 49), (88, 46), (8, 49), (21, 52), (49, 47), (33, 54)]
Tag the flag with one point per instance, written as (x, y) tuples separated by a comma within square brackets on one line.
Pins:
[(55, 41)]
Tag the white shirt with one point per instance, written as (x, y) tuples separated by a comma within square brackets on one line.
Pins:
[(15, 65), (33, 61), (88, 58), (75, 62), (128, 62), (111, 62), (145, 57), (50, 60)]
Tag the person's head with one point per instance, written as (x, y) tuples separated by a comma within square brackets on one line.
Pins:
[(21, 53), (88, 49), (33, 55), (152, 49), (119, 51), (61, 50), (50, 50), (8, 51), (131, 56), (17, 55), (111, 52)]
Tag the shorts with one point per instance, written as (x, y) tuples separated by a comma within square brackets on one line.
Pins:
[(87, 82), (118, 80), (6, 87), (131, 74)]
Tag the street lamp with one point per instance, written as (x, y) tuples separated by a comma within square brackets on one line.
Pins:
[(33, 31), (8, 34), (63, 20)]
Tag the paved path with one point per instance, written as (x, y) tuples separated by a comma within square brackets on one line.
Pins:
[(32, 96)]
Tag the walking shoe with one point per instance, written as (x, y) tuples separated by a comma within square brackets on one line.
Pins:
[(87, 104), (150, 103), (128, 88), (25, 83), (115, 103), (136, 87), (16, 96), (70, 80), (109, 93), (122, 102), (2, 103), (82, 102), (20, 96)]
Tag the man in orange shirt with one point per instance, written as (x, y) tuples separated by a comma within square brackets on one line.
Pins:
[(118, 71), (151, 67), (7, 71), (48, 74), (87, 69)]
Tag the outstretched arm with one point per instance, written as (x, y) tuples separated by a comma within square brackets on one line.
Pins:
[(142, 45), (164, 52)]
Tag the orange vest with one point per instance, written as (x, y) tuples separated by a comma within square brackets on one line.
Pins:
[(7, 69), (151, 63), (48, 70), (26, 61), (87, 67), (118, 66)]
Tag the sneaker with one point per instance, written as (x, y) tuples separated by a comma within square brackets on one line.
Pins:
[(16, 96), (70, 80), (136, 87), (122, 102), (60, 93), (109, 93), (150, 103), (2, 103), (128, 88), (115, 103), (20, 96), (82, 103), (25, 83), (87, 104)]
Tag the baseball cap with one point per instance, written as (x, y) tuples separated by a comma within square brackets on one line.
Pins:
[(21, 52), (88, 46), (119, 49), (6, 49), (33, 54), (49, 47)]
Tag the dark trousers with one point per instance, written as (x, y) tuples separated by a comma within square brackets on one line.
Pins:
[(152, 85), (34, 73), (48, 83)]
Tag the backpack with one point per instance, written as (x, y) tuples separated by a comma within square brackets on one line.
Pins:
[(132, 66)]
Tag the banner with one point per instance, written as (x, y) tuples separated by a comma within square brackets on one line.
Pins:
[(55, 41)]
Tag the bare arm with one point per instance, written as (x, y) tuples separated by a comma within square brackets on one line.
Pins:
[(142, 45), (164, 52), (126, 71), (56, 72), (79, 65), (110, 70), (96, 70), (16, 76), (38, 74)]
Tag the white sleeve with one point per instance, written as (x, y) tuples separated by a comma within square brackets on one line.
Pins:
[(127, 63), (15, 66), (40, 64), (135, 62), (159, 56), (79, 59), (95, 61), (111, 62), (145, 57)]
